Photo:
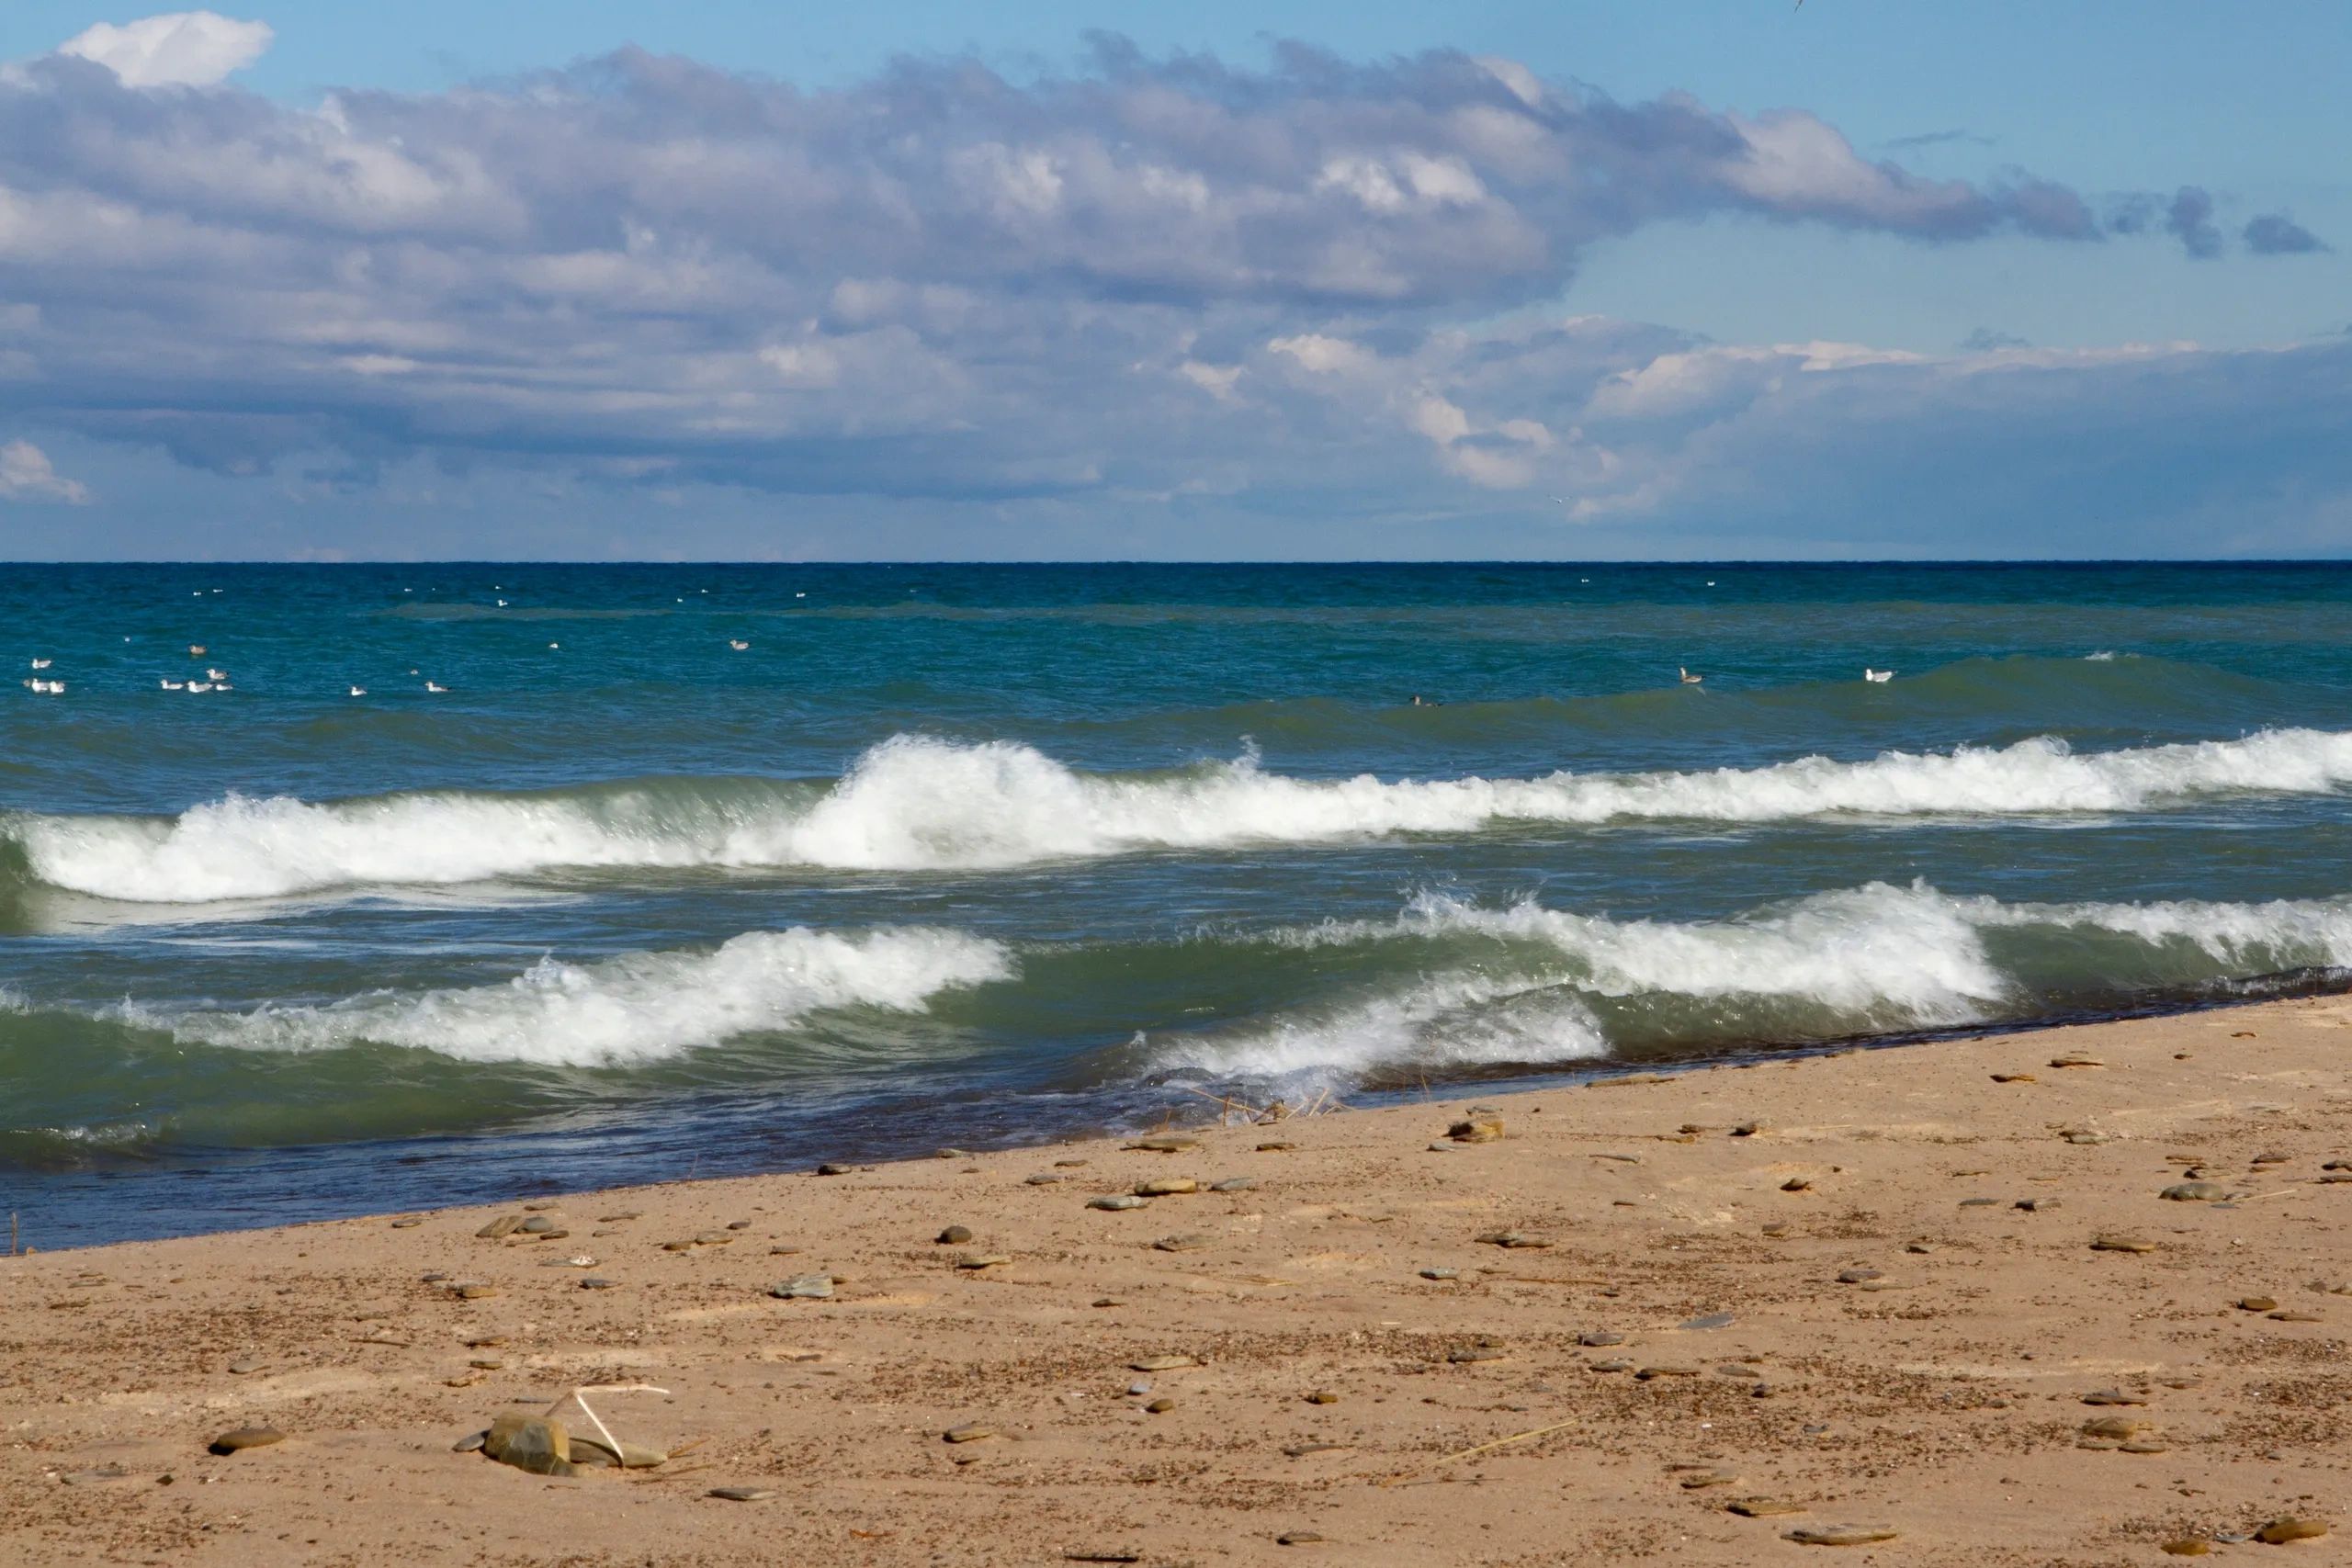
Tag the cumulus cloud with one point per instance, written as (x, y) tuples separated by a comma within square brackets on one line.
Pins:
[(184, 48), (2190, 220), (1153, 278), (26, 474), (2276, 234)]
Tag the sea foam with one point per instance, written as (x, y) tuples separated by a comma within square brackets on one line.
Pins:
[(916, 802)]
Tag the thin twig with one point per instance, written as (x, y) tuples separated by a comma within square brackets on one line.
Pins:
[(602, 1430), (1226, 1099), (1482, 1447)]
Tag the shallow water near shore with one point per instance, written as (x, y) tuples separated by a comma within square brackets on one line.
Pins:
[(952, 854)]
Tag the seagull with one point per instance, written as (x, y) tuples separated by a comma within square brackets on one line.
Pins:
[(216, 674), (434, 687), (173, 685), (737, 644), (356, 691), (502, 604), (199, 686), (555, 645), (43, 663), (1877, 677), (1688, 678), (195, 650)]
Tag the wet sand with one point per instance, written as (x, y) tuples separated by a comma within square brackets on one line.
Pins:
[(1881, 1308)]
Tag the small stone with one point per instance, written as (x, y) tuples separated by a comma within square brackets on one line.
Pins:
[(2188, 1546), (577, 1261), (506, 1224), (1277, 1148), (2015, 1077), (1512, 1239), (1167, 1187), (2116, 1241), (1858, 1275), (1161, 1363), (598, 1282), (2076, 1059), (1234, 1184), (2087, 1136), (1322, 1397), (2195, 1192), (714, 1238), (474, 1290), (1840, 1535), (1192, 1241), (535, 1443), (406, 1223), (2037, 1205), (1044, 1179), (1614, 1364), (1621, 1159), (2255, 1303), (2116, 1427), (975, 1261), (470, 1443), (2278, 1532), (1117, 1201), (804, 1287), (1164, 1145), (621, 1218), (1297, 1537), (1465, 1354), (1796, 1184), (954, 1236), (971, 1432), (1600, 1338), (1648, 1374), (1763, 1507), (1748, 1128), (1161, 1406), (2144, 1446), (245, 1364), (1441, 1274), (742, 1494), (1979, 1203), (2293, 1317), (1739, 1369), (1300, 1451), (537, 1224), (1709, 1320), (1699, 1480), (2114, 1396), (238, 1438)]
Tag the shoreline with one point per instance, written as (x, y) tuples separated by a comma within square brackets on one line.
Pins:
[(1335, 1389)]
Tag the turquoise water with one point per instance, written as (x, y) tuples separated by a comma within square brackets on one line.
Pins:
[(954, 855)]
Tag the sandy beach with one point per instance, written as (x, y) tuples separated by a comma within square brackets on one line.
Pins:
[(1932, 1290)]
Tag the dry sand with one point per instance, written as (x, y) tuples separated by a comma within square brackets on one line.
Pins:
[(1943, 1399)]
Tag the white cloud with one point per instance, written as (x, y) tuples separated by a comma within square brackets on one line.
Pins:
[(1325, 356), (182, 48), (25, 475)]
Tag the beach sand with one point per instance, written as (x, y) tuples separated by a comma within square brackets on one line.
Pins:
[(1909, 1317)]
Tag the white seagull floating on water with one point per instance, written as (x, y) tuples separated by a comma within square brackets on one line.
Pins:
[(173, 685), (737, 644), (435, 686), (1688, 678), (43, 663), (356, 691), (1877, 677)]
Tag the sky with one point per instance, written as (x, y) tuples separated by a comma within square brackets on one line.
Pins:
[(1291, 279)]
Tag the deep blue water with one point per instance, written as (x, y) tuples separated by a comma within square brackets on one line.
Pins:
[(960, 853)]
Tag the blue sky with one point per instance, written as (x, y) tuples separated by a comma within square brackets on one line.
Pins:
[(572, 278)]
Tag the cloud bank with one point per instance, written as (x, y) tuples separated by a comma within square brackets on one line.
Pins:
[(1150, 279)]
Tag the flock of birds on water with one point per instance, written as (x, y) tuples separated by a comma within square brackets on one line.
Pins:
[(218, 679)]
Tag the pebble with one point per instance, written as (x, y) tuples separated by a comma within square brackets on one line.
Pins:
[(1509, 1239), (2144, 1446), (470, 1443), (714, 1238), (1840, 1535), (1297, 1537), (2076, 1059), (1795, 1184), (625, 1215), (2037, 1205), (809, 1287), (1698, 1481), (406, 1224), (1762, 1508), (1858, 1275), (577, 1261), (1600, 1338), (1044, 1179), (1614, 1364), (598, 1282), (2278, 1532), (238, 1438), (978, 1260), (1441, 1274), (1234, 1184), (1736, 1369), (475, 1292), (1464, 1354), (1167, 1187), (1276, 1148), (2087, 1136), (1322, 1397), (1161, 1406), (969, 1433), (2116, 1427), (1709, 1320), (245, 1364), (2195, 1192), (2188, 1546), (1117, 1201), (506, 1224), (742, 1494), (1300, 1451), (2115, 1241), (2015, 1077), (2114, 1396), (954, 1236), (1647, 1374), (1191, 1240), (1164, 1145), (536, 1443), (1748, 1128), (830, 1168), (2255, 1303), (1161, 1363)]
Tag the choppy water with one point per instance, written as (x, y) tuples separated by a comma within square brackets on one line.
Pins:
[(956, 855)]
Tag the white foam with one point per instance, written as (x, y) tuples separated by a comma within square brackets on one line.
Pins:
[(915, 803), (636, 1008)]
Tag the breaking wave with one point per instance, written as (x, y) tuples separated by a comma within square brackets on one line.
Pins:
[(916, 802)]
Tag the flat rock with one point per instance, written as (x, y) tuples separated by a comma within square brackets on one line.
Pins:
[(1189, 1241), (2188, 1546), (1161, 1363), (804, 1287), (1699, 1480), (1234, 1184), (971, 1432), (2278, 1532), (536, 1443), (1840, 1535), (954, 1236), (1163, 1145), (1858, 1275), (1167, 1187), (742, 1494), (1709, 1320), (2117, 1241), (2292, 1317), (506, 1224), (1297, 1537), (630, 1456), (1117, 1201), (245, 1364), (1513, 1239), (1763, 1507), (1441, 1274), (1666, 1371), (239, 1438), (2076, 1059), (1613, 1364), (1600, 1339), (2114, 1396), (975, 1261), (2116, 1427), (2255, 1303), (2195, 1192), (1463, 1354), (537, 1224)]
